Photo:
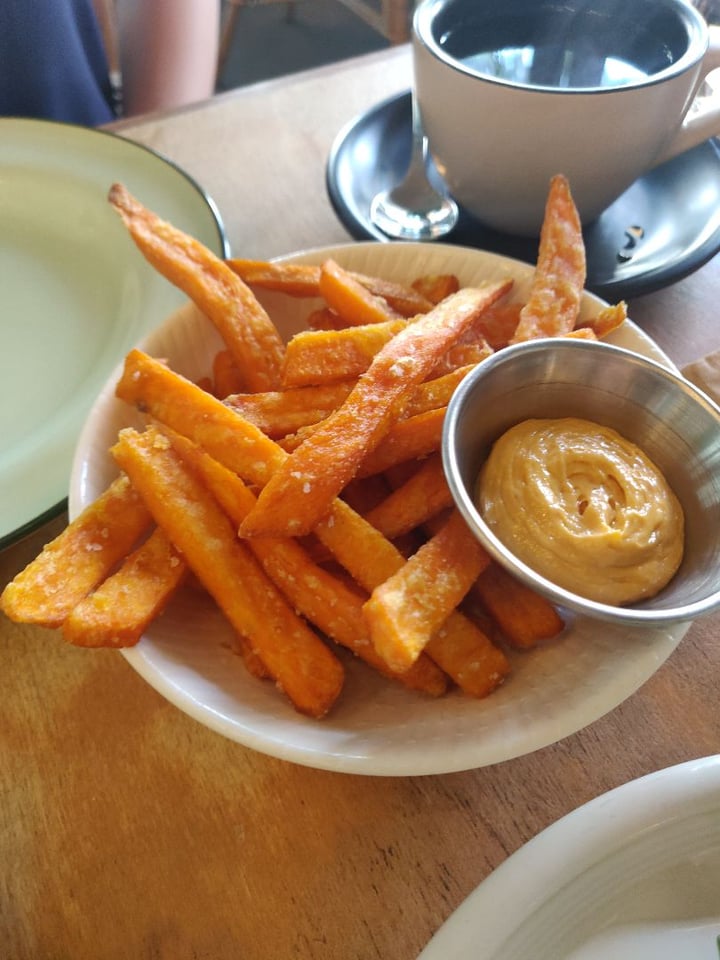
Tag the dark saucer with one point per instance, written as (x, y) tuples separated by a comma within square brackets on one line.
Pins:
[(661, 229)]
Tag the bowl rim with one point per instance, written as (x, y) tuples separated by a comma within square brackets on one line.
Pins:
[(631, 615), (424, 36)]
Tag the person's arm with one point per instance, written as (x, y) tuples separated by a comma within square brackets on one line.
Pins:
[(168, 51)]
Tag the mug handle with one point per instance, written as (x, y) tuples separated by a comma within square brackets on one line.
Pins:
[(702, 120)]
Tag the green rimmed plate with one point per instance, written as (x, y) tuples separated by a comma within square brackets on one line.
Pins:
[(75, 293)]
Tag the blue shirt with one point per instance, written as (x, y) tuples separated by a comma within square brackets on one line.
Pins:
[(52, 62)]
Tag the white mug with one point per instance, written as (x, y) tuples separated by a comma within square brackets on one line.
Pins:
[(512, 92)]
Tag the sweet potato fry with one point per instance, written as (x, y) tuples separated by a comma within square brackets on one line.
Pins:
[(349, 299), (365, 494), (319, 596), (206, 384), (303, 280), (292, 441), (317, 357), (280, 412), (366, 554), (408, 439), (422, 496), (436, 392), (323, 356), (608, 319), (301, 491), (323, 319), (467, 654), (497, 325), (226, 376), (117, 613), (220, 294), (181, 405), (435, 287), (554, 302), (409, 607), (582, 333), (399, 474), (302, 666), (459, 647), (406, 301), (525, 617), (462, 355), (294, 279), (253, 664), (78, 559)]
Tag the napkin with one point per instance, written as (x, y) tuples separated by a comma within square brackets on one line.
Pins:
[(705, 374)]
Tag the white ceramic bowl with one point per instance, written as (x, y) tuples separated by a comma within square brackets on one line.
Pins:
[(376, 727)]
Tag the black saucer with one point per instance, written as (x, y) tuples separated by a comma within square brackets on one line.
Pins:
[(660, 230)]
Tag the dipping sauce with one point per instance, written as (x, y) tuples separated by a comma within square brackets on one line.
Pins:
[(583, 507)]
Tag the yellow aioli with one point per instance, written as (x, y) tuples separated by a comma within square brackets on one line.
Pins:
[(583, 507)]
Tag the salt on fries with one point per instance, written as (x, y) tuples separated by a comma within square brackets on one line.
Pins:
[(249, 334), (301, 484), (357, 426)]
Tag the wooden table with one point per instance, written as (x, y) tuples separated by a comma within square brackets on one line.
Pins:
[(127, 830)]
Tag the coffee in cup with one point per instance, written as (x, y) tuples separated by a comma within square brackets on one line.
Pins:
[(514, 92)]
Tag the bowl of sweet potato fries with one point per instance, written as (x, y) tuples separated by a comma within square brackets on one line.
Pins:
[(260, 520)]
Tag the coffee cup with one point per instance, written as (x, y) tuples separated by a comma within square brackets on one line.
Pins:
[(512, 92)]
